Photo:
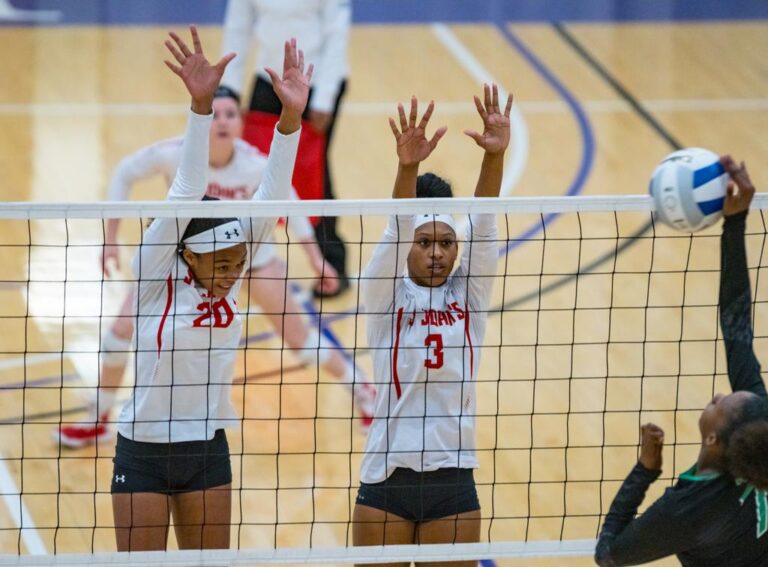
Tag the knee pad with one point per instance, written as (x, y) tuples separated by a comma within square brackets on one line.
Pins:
[(316, 349), (114, 350)]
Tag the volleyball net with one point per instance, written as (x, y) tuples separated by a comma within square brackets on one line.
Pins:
[(600, 320)]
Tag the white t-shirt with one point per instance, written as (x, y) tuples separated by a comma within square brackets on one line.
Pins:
[(425, 344), (321, 29), (239, 179), (186, 341)]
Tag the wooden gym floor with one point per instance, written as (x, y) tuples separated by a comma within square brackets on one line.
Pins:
[(82, 97)]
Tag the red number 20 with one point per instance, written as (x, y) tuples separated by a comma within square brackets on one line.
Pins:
[(434, 358), (222, 314)]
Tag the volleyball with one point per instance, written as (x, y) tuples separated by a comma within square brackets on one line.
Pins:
[(688, 188)]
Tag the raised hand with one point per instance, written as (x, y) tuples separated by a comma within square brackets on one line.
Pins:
[(199, 76), (651, 444), (740, 191), (293, 87), (495, 136), (412, 144)]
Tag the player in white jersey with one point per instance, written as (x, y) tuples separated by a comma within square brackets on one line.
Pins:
[(172, 455), (425, 326), (235, 172)]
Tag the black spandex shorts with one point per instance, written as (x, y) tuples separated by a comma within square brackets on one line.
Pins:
[(422, 496), (171, 468)]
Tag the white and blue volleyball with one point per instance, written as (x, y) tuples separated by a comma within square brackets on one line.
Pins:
[(688, 188)]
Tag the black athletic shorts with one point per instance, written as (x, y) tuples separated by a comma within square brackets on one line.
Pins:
[(171, 468), (422, 496)]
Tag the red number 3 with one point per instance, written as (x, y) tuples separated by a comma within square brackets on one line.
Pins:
[(222, 314), (435, 357)]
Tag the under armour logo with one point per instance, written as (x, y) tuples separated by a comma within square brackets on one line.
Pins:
[(229, 234), (119, 478)]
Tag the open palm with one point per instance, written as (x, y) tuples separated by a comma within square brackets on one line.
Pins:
[(199, 76), (293, 87), (413, 146), (496, 126)]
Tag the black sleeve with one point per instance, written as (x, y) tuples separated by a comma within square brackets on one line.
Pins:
[(661, 531), (735, 308)]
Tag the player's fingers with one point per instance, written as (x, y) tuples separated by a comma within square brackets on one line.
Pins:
[(439, 133), (224, 61), (495, 98), (477, 137), (172, 67), (414, 112), (182, 46), (747, 180), (274, 77), (479, 106), (401, 114), (196, 40), (427, 115), (393, 126), (175, 52), (287, 56), (508, 109), (310, 70), (487, 96), (301, 61)]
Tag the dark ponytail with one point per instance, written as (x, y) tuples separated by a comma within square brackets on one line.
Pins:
[(746, 443)]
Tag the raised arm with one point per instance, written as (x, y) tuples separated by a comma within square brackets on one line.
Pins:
[(624, 539), (389, 257), (494, 140), (479, 256), (735, 293), (160, 241)]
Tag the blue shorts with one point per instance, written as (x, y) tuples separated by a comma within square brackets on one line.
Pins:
[(422, 496), (171, 468)]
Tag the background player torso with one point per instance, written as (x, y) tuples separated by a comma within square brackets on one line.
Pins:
[(239, 179)]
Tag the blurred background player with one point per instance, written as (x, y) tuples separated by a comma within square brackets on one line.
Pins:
[(717, 512), (235, 171), (322, 29)]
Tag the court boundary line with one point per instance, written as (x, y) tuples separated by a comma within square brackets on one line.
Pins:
[(373, 108), (14, 503)]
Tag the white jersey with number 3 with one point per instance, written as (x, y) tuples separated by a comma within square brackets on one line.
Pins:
[(187, 341), (426, 353)]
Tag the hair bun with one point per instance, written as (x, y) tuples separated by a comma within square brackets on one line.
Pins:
[(431, 186)]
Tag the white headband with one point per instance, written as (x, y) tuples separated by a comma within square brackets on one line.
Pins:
[(216, 238), (431, 217)]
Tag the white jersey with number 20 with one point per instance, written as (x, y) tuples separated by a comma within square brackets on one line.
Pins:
[(186, 340)]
